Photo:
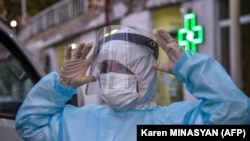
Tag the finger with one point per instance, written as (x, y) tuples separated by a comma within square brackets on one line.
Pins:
[(165, 40), (90, 59), (86, 50), (161, 67), (69, 70), (65, 73), (80, 80), (77, 64), (85, 79), (163, 34), (68, 53), (64, 80), (159, 39), (90, 79), (77, 53)]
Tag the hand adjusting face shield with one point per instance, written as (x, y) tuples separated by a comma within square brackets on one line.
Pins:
[(123, 59)]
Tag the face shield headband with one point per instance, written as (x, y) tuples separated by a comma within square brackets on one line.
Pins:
[(133, 38)]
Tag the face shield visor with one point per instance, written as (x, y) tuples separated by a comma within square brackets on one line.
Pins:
[(121, 55)]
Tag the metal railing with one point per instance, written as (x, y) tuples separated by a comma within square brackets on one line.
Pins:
[(52, 16)]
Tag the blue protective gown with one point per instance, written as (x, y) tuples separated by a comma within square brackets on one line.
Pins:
[(44, 115)]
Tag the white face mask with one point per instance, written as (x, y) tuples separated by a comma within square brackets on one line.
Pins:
[(119, 91)]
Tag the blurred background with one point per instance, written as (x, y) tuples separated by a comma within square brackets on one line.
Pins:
[(47, 27)]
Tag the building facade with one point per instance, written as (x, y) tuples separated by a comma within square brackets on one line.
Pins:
[(220, 27)]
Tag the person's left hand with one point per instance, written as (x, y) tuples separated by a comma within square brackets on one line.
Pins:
[(170, 47), (73, 71)]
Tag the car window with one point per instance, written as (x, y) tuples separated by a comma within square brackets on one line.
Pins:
[(14, 83)]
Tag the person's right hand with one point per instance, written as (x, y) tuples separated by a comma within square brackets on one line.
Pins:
[(73, 71), (171, 48)]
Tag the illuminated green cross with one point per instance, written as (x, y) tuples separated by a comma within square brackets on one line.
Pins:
[(191, 34)]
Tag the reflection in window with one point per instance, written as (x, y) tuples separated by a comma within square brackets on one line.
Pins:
[(14, 83)]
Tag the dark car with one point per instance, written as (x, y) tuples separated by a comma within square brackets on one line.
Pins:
[(18, 73)]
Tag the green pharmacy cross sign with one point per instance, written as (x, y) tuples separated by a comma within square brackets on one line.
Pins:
[(191, 34)]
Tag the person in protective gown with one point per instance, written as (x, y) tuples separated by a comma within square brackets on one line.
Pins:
[(124, 66)]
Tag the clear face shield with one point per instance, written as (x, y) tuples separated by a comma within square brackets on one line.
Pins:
[(121, 54)]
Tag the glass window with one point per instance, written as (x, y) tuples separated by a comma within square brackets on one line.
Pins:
[(14, 83), (245, 43), (245, 29), (225, 48), (245, 7), (224, 6), (224, 9)]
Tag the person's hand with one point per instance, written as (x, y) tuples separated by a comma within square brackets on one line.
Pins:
[(171, 48), (73, 71)]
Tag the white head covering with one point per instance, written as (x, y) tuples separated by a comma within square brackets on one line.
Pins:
[(137, 52)]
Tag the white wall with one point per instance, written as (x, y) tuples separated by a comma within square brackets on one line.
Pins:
[(141, 19)]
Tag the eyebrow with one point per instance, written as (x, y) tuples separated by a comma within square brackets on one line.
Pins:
[(134, 38)]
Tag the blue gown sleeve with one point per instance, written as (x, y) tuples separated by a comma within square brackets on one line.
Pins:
[(39, 116), (221, 101)]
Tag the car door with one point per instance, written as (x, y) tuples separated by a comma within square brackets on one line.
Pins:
[(18, 74)]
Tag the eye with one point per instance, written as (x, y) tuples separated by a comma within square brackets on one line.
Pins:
[(113, 66), (104, 67)]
